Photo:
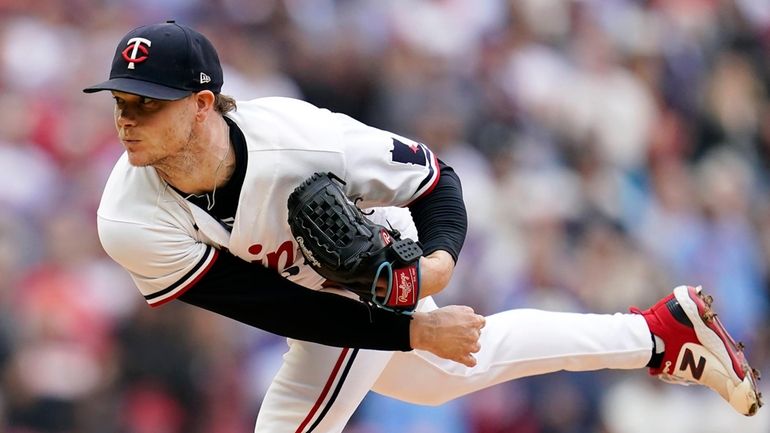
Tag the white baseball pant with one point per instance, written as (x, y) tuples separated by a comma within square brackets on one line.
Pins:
[(318, 388)]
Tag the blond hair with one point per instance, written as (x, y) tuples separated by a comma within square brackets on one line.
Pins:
[(224, 103)]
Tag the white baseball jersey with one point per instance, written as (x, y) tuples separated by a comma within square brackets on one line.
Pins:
[(166, 243)]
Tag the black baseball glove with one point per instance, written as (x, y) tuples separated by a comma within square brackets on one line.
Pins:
[(345, 247)]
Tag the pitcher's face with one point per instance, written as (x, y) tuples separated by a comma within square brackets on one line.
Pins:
[(153, 130)]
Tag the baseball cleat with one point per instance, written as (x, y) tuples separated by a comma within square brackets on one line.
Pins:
[(698, 349)]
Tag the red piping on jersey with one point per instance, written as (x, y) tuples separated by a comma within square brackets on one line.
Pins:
[(432, 186), (181, 291), (325, 391)]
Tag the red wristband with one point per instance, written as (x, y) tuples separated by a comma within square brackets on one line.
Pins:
[(405, 287)]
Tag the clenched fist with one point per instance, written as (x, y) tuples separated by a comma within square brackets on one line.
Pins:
[(450, 332)]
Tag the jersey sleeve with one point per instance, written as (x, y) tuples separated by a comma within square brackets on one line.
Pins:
[(164, 262), (383, 168)]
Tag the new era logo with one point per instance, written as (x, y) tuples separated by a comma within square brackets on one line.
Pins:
[(204, 78)]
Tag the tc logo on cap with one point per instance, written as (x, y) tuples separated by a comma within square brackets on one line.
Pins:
[(132, 50)]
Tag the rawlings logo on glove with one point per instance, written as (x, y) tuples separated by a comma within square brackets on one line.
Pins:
[(307, 253), (343, 246)]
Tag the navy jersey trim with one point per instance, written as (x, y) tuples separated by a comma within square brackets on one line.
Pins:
[(431, 169), (431, 180), (188, 280)]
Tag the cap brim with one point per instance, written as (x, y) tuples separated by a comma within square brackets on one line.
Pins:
[(141, 88)]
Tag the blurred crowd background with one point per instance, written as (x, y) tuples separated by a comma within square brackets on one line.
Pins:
[(610, 150)]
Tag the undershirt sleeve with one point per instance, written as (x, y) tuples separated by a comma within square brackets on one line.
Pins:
[(258, 296), (440, 216)]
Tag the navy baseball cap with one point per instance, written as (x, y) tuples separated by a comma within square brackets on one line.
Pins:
[(165, 61)]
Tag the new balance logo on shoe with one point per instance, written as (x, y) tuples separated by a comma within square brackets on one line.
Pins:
[(688, 361), (699, 350), (204, 78)]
